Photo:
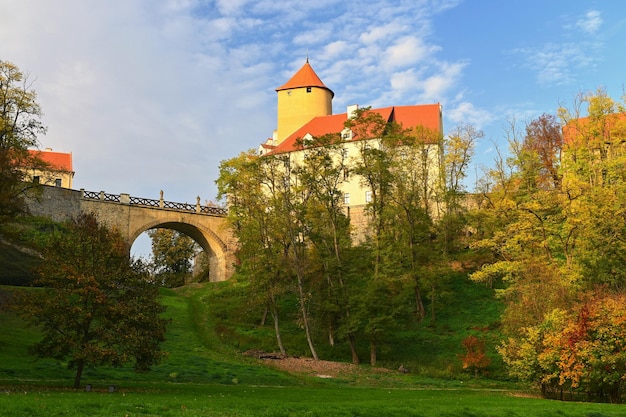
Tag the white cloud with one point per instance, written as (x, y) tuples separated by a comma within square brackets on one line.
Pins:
[(590, 22), (406, 51), (230, 7), (556, 63), (150, 96), (466, 112), (379, 33), (335, 50)]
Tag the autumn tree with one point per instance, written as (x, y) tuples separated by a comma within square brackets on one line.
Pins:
[(96, 306), (452, 196), (20, 126), (475, 358), (580, 351), (595, 182), (560, 233), (172, 256)]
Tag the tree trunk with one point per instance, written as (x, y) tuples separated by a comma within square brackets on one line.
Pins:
[(355, 355), (305, 318), (264, 317), (79, 373), (432, 303), (373, 352), (331, 335), (279, 339), (420, 311)]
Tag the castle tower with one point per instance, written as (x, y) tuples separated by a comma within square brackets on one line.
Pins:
[(301, 99)]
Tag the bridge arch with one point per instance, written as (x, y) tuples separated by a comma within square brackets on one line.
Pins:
[(213, 246), (132, 216)]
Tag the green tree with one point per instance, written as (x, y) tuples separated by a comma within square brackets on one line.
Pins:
[(97, 306), (19, 127), (242, 182), (324, 170), (172, 256)]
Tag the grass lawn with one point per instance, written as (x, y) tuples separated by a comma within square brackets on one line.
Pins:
[(221, 400), (202, 376)]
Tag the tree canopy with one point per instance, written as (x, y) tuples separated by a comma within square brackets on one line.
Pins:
[(292, 220), (552, 221), (95, 306), (172, 257), (20, 126)]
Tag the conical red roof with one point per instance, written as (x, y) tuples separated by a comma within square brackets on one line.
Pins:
[(305, 77)]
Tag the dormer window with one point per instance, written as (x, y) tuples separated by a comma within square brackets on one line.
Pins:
[(346, 134)]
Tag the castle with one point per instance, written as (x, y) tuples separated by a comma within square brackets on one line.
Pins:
[(305, 111)]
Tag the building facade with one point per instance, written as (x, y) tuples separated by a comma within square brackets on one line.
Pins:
[(55, 168), (305, 112)]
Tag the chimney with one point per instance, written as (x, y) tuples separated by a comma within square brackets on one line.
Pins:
[(352, 111)]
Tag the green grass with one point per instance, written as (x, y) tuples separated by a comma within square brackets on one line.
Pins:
[(205, 373), (430, 347), (222, 400)]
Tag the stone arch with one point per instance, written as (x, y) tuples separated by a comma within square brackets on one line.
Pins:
[(212, 245)]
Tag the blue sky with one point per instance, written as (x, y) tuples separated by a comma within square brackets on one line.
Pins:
[(152, 95)]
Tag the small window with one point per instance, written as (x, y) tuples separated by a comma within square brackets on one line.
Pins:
[(36, 179), (346, 173), (308, 89), (345, 153), (346, 199), (368, 196), (57, 182)]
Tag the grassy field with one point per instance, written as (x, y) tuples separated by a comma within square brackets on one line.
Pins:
[(222, 400), (205, 373)]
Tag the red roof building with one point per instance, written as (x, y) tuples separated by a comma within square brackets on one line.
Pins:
[(57, 168), (304, 111), (426, 115)]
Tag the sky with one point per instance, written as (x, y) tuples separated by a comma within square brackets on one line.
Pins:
[(151, 95)]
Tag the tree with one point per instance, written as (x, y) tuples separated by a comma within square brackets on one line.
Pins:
[(475, 358), (172, 254), (580, 350), (261, 254), (324, 169), (556, 231), (97, 306), (19, 126)]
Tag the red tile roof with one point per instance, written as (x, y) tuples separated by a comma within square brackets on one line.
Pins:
[(580, 131), (305, 77), (427, 115), (56, 160)]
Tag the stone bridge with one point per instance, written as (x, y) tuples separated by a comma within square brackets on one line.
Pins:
[(132, 216)]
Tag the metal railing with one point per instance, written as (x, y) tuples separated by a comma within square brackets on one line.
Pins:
[(160, 203)]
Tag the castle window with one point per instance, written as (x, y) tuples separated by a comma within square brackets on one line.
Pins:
[(57, 182), (346, 199), (308, 89), (36, 179), (368, 196), (346, 173)]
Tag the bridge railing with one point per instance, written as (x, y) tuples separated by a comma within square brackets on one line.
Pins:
[(160, 203)]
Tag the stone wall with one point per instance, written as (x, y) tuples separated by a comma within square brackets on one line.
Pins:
[(59, 204)]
